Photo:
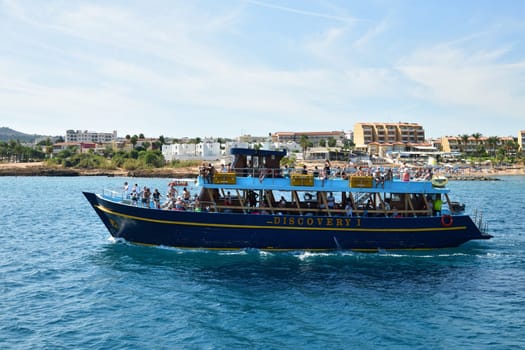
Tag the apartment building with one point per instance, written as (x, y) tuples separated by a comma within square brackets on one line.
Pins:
[(473, 144), (313, 136), (191, 151), (90, 136), (388, 133), (521, 139)]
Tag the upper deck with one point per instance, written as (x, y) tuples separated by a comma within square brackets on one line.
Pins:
[(360, 184)]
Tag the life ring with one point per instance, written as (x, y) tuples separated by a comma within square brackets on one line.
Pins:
[(446, 220)]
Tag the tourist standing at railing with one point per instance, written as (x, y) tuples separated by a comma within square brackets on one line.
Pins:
[(125, 190), (326, 168), (286, 171), (156, 198)]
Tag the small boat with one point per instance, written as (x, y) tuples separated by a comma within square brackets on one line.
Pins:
[(178, 183), (260, 205)]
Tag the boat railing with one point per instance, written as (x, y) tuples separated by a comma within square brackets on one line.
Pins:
[(114, 195), (263, 173), (314, 210), (480, 222)]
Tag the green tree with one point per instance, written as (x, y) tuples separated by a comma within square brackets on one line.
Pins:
[(304, 142), (476, 137), (134, 140), (464, 140), (492, 142)]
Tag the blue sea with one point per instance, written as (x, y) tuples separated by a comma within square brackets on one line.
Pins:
[(64, 284)]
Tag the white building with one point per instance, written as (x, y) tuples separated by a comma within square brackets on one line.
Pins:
[(190, 151), (90, 136)]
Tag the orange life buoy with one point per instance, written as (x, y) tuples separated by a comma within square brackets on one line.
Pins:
[(446, 220)]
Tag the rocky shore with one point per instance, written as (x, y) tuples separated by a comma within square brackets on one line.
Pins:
[(39, 169)]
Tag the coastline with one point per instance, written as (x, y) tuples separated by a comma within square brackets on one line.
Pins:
[(39, 169)]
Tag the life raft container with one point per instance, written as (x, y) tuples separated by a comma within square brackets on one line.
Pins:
[(439, 181)]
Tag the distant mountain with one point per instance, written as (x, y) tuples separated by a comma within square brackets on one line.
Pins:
[(7, 134)]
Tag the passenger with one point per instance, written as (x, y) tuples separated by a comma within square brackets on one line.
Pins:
[(327, 168), (389, 175), (437, 205), (316, 171), (304, 171), (146, 195), (186, 195), (330, 201), (156, 198), (282, 202), (173, 191), (134, 196), (286, 171), (179, 204), (169, 202), (125, 190), (228, 202), (264, 210), (203, 171), (395, 213), (211, 173), (348, 209), (406, 175), (387, 208), (197, 204), (135, 187), (252, 198), (309, 212), (379, 178)]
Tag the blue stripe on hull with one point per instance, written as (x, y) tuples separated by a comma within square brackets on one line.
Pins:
[(279, 232)]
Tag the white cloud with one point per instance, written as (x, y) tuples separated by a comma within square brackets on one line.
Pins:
[(453, 76)]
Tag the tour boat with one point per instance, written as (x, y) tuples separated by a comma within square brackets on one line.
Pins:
[(256, 203)]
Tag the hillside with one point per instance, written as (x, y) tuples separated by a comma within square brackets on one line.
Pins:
[(7, 134)]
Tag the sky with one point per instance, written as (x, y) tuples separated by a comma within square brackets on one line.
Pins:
[(224, 68)]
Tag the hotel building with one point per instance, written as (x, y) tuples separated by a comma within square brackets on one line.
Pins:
[(379, 138), (314, 137), (90, 136)]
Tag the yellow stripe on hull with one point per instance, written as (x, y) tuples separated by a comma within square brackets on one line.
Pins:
[(191, 223)]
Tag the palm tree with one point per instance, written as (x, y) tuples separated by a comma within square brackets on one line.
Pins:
[(464, 139), (476, 137), (134, 140), (304, 144), (492, 142)]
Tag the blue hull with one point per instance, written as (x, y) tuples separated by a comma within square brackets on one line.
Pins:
[(186, 229)]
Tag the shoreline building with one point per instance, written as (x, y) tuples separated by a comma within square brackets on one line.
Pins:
[(382, 138), (471, 145), (90, 136), (315, 137), (521, 140), (206, 150)]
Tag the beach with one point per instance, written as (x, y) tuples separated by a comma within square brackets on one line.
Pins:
[(40, 169)]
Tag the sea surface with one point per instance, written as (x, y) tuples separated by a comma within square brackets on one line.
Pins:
[(64, 284)]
